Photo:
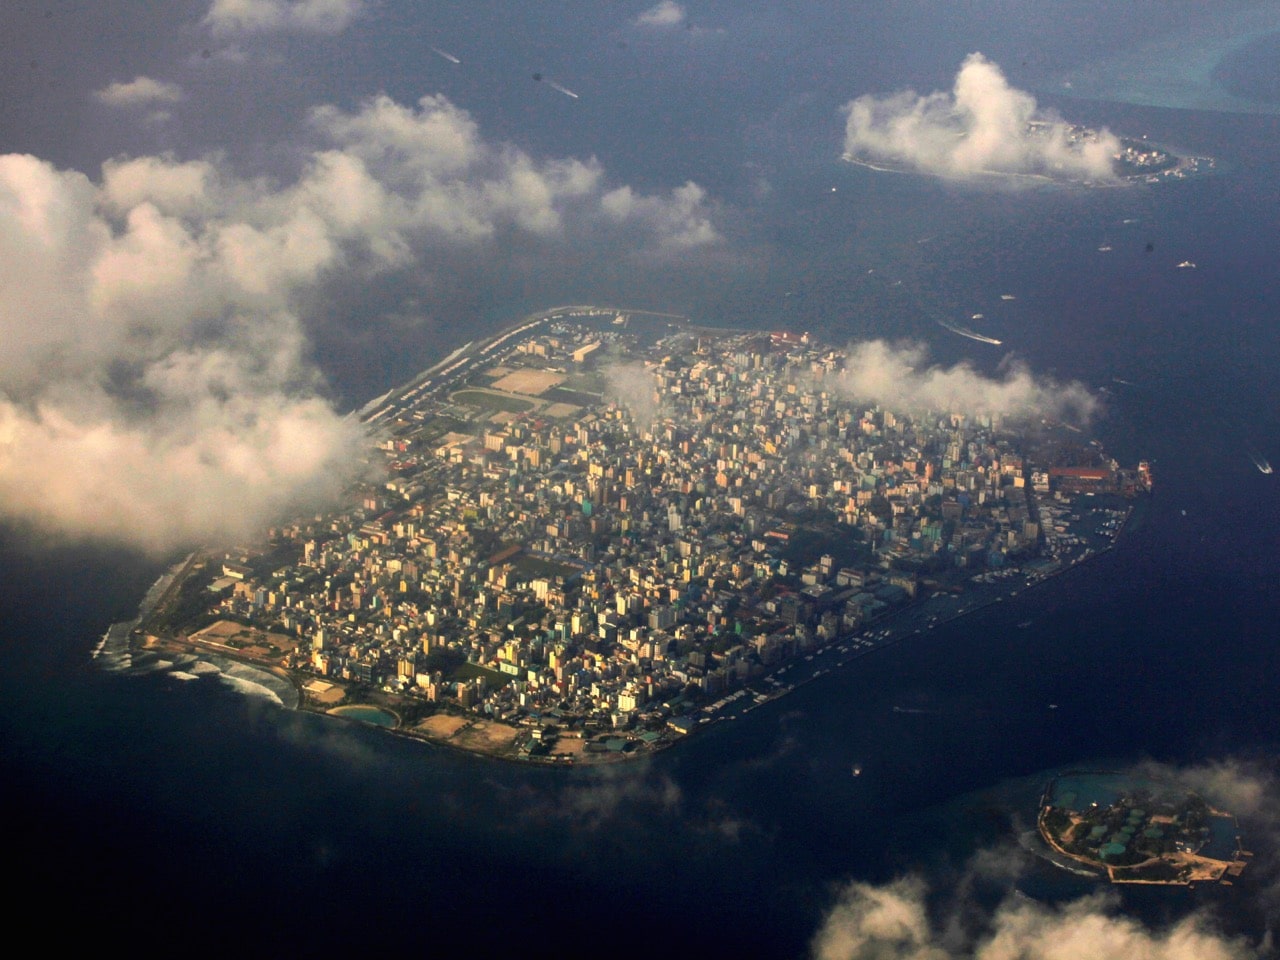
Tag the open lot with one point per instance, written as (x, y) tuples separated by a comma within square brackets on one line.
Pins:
[(246, 641), (469, 733), (442, 726), (531, 383)]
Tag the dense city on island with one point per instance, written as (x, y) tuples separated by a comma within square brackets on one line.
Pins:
[(597, 528)]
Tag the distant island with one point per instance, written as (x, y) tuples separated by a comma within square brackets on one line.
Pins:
[(600, 530), (1136, 830), (1137, 161)]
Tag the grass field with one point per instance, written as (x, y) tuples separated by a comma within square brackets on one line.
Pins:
[(481, 400)]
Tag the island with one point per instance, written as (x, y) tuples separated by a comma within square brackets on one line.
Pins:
[(590, 535), (1136, 160), (1138, 830)]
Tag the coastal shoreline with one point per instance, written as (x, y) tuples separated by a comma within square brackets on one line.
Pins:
[(888, 629), (143, 641), (1191, 866)]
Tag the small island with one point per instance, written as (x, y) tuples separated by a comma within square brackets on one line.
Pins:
[(1136, 830), (1136, 160)]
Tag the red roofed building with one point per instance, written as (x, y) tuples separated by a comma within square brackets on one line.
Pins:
[(1082, 479)]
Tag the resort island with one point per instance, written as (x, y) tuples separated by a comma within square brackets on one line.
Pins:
[(1135, 830), (1134, 161), (600, 530)]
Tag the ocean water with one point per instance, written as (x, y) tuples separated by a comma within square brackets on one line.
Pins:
[(1225, 64), (163, 812)]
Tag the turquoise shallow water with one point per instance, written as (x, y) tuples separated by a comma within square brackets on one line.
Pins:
[(1079, 790), (374, 715), (1219, 65)]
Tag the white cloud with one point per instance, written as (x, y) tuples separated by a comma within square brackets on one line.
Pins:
[(229, 17), (154, 386), (140, 91), (899, 377), (175, 188), (982, 126), (869, 921), (428, 171), (221, 454), (48, 235), (678, 221), (892, 922), (633, 385), (436, 140), (665, 14), (148, 391)]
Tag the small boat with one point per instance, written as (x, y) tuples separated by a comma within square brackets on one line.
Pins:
[(1186, 265), (1259, 461), (857, 769)]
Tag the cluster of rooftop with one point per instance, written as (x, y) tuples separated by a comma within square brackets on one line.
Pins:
[(574, 562)]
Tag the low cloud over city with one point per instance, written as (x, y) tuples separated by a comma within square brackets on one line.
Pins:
[(900, 377), (982, 125)]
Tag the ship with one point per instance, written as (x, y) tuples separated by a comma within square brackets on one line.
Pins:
[(1186, 265), (966, 332)]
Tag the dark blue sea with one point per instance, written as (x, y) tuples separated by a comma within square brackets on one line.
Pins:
[(165, 815)]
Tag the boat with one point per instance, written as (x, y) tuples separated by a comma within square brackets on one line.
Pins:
[(1186, 265), (966, 332), (1007, 296), (1259, 461), (1105, 248), (857, 769)]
